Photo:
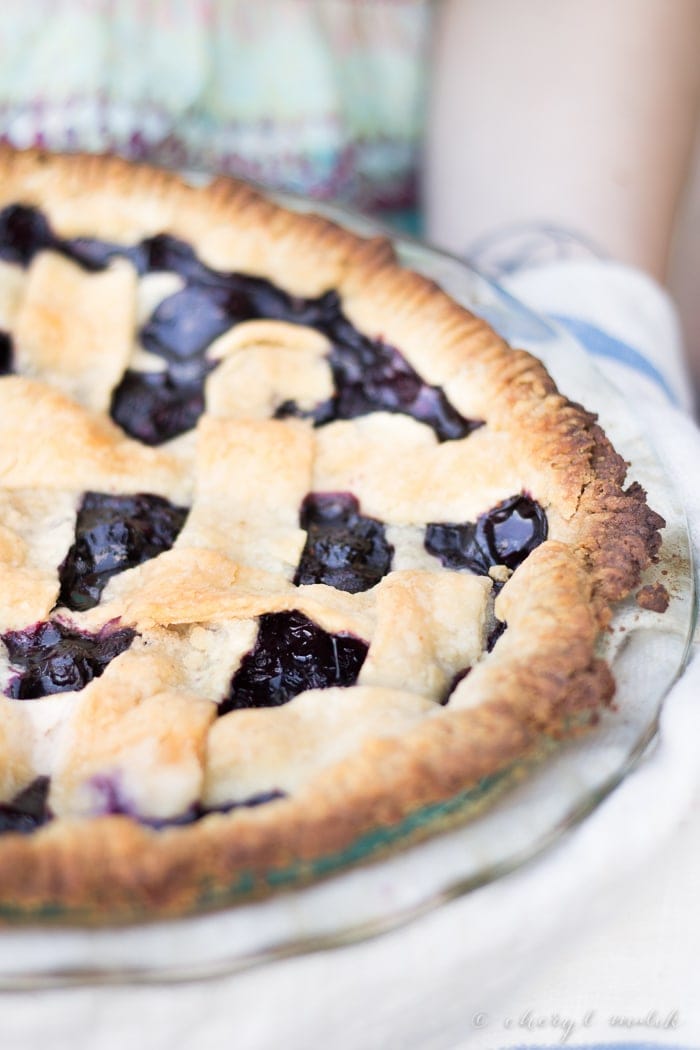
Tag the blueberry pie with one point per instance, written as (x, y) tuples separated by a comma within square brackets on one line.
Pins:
[(294, 550)]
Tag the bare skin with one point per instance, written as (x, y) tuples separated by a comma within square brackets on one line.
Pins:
[(577, 112)]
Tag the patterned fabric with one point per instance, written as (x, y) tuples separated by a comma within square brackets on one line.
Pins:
[(323, 97)]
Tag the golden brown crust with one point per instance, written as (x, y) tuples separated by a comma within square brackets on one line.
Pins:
[(543, 679)]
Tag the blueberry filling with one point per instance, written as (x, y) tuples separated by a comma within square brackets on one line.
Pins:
[(166, 254), (197, 811), (156, 406), (491, 639), (456, 679), (55, 658), (5, 354), (24, 232), (292, 654), (505, 535), (494, 634), (513, 529), (323, 412), (94, 255), (28, 810), (369, 375), (344, 549), (114, 533), (185, 323)]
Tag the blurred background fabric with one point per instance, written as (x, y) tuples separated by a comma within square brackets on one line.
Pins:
[(322, 98)]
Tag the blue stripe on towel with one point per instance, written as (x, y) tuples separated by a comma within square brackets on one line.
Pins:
[(600, 344)]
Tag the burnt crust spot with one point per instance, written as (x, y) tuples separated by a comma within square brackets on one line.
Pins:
[(654, 597), (618, 533)]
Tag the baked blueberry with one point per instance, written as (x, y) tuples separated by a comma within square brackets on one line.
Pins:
[(157, 406), (28, 810), (323, 412), (166, 254), (54, 657), (292, 654), (24, 231), (513, 529), (114, 533), (370, 376), (94, 255), (491, 639), (505, 535), (458, 677), (5, 354), (184, 324), (494, 634), (343, 549)]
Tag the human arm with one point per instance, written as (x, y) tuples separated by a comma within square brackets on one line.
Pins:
[(577, 113)]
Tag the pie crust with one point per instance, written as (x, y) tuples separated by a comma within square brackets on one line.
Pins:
[(334, 766)]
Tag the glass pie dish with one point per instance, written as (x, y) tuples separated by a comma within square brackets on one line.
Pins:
[(646, 650)]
